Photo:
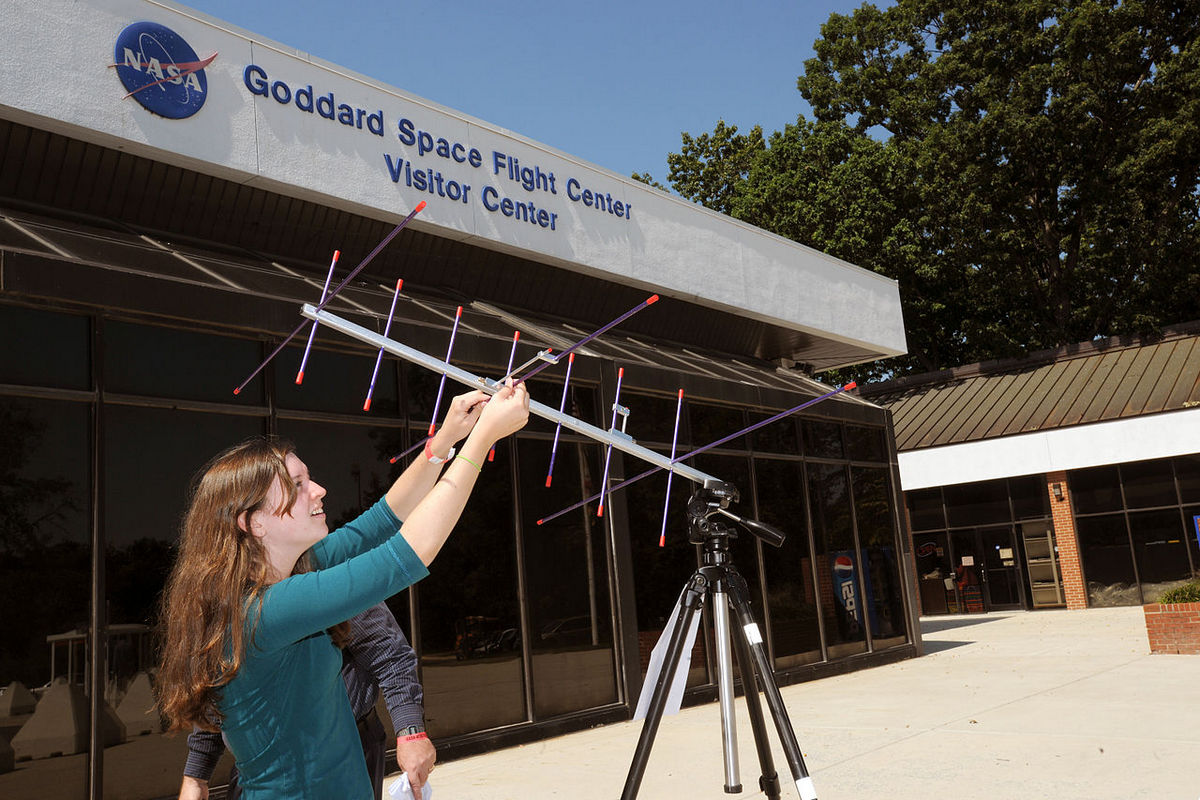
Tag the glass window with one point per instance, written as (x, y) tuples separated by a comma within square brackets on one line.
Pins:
[(1095, 490), (335, 382), (713, 423), (1030, 497), (780, 436), (838, 569), (1191, 523), (822, 439), (1149, 484), (977, 503), (791, 589), (54, 348), (652, 419), (659, 573), (925, 509), (1187, 472), (566, 567), (151, 457), (470, 632), (865, 444), (877, 536), (168, 362), (1107, 561), (1161, 551)]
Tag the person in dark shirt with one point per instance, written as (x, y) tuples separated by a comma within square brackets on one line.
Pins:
[(378, 658)]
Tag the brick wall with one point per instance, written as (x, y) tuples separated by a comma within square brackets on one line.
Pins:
[(1067, 541), (1173, 628)]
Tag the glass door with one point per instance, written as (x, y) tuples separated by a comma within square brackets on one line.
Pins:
[(986, 574)]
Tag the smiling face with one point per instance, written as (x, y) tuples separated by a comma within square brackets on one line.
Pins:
[(288, 532)]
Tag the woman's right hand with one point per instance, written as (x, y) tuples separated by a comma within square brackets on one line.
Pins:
[(505, 413)]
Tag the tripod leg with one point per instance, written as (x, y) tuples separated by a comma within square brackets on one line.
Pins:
[(689, 604), (768, 782), (783, 725), (720, 606)]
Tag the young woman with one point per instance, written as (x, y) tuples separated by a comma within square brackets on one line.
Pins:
[(259, 581)]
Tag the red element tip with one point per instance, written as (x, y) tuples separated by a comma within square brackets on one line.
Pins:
[(459, 312), (681, 394), (849, 386), (393, 459), (337, 254), (420, 205), (571, 358), (237, 390), (300, 377), (540, 521), (548, 477), (492, 454), (662, 540), (620, 372), (399, 284), (653, 299), (516, 335), (431, 427), (367, 405), (600, 511)]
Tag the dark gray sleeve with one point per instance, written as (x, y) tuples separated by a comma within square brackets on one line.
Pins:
[(204, 751), (381, 654)]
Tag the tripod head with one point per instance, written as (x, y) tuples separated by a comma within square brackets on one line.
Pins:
[(713, 499)]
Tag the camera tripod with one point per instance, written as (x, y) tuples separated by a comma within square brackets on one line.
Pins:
[(720, 579)]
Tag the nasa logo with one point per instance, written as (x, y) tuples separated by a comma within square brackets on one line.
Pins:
[(160, 70)]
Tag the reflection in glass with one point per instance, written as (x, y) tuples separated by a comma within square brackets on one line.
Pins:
[(935, 575), (45, 581), (1149, 484), (712, 423), (838, 565), (53, 348), (1187, 473), (1107, 561), (566, 568), (1160, 550), (877, 536), (652, 419), (977, 503), (822, 439), (865, 444), (334, 381), (143, 508), (781, 436), (1095, 490), (791, 593), (925, 509), (470, 639), (1030, 497)]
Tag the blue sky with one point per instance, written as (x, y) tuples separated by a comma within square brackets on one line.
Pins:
[(612, 82)]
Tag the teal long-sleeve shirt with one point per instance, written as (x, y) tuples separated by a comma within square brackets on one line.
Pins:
[(287, 719)]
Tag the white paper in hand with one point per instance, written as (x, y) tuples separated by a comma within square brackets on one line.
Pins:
[(657, 656), (401, 789)]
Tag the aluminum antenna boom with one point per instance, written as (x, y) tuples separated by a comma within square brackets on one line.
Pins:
[(622, 443)]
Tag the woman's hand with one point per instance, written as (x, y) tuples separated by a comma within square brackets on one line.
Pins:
[(505, 413), (461, 417)]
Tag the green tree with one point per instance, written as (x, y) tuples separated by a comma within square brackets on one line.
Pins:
[(1026, 169)]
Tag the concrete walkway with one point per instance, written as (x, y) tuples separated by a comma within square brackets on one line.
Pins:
[(1049, 705)]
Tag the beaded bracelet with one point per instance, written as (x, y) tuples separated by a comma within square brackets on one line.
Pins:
[(469, 461)]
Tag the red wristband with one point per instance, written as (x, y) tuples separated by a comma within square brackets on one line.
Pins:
[(412, 737)]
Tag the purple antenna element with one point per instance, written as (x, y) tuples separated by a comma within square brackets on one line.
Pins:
[(608, 452), (362, 264), (507, 374), (648, 301), (441, 387), (706, 447), (562, 404), (313, 331), (662, 537), (379, 358)]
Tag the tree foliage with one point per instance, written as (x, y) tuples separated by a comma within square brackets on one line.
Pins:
[(1027, 170)]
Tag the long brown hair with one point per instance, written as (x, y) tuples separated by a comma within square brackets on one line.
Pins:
[(219, 575)]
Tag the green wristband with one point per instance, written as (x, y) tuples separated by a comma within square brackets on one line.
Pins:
[(469, 461)]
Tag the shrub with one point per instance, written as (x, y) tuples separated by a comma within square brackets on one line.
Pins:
[(1187, 593)]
